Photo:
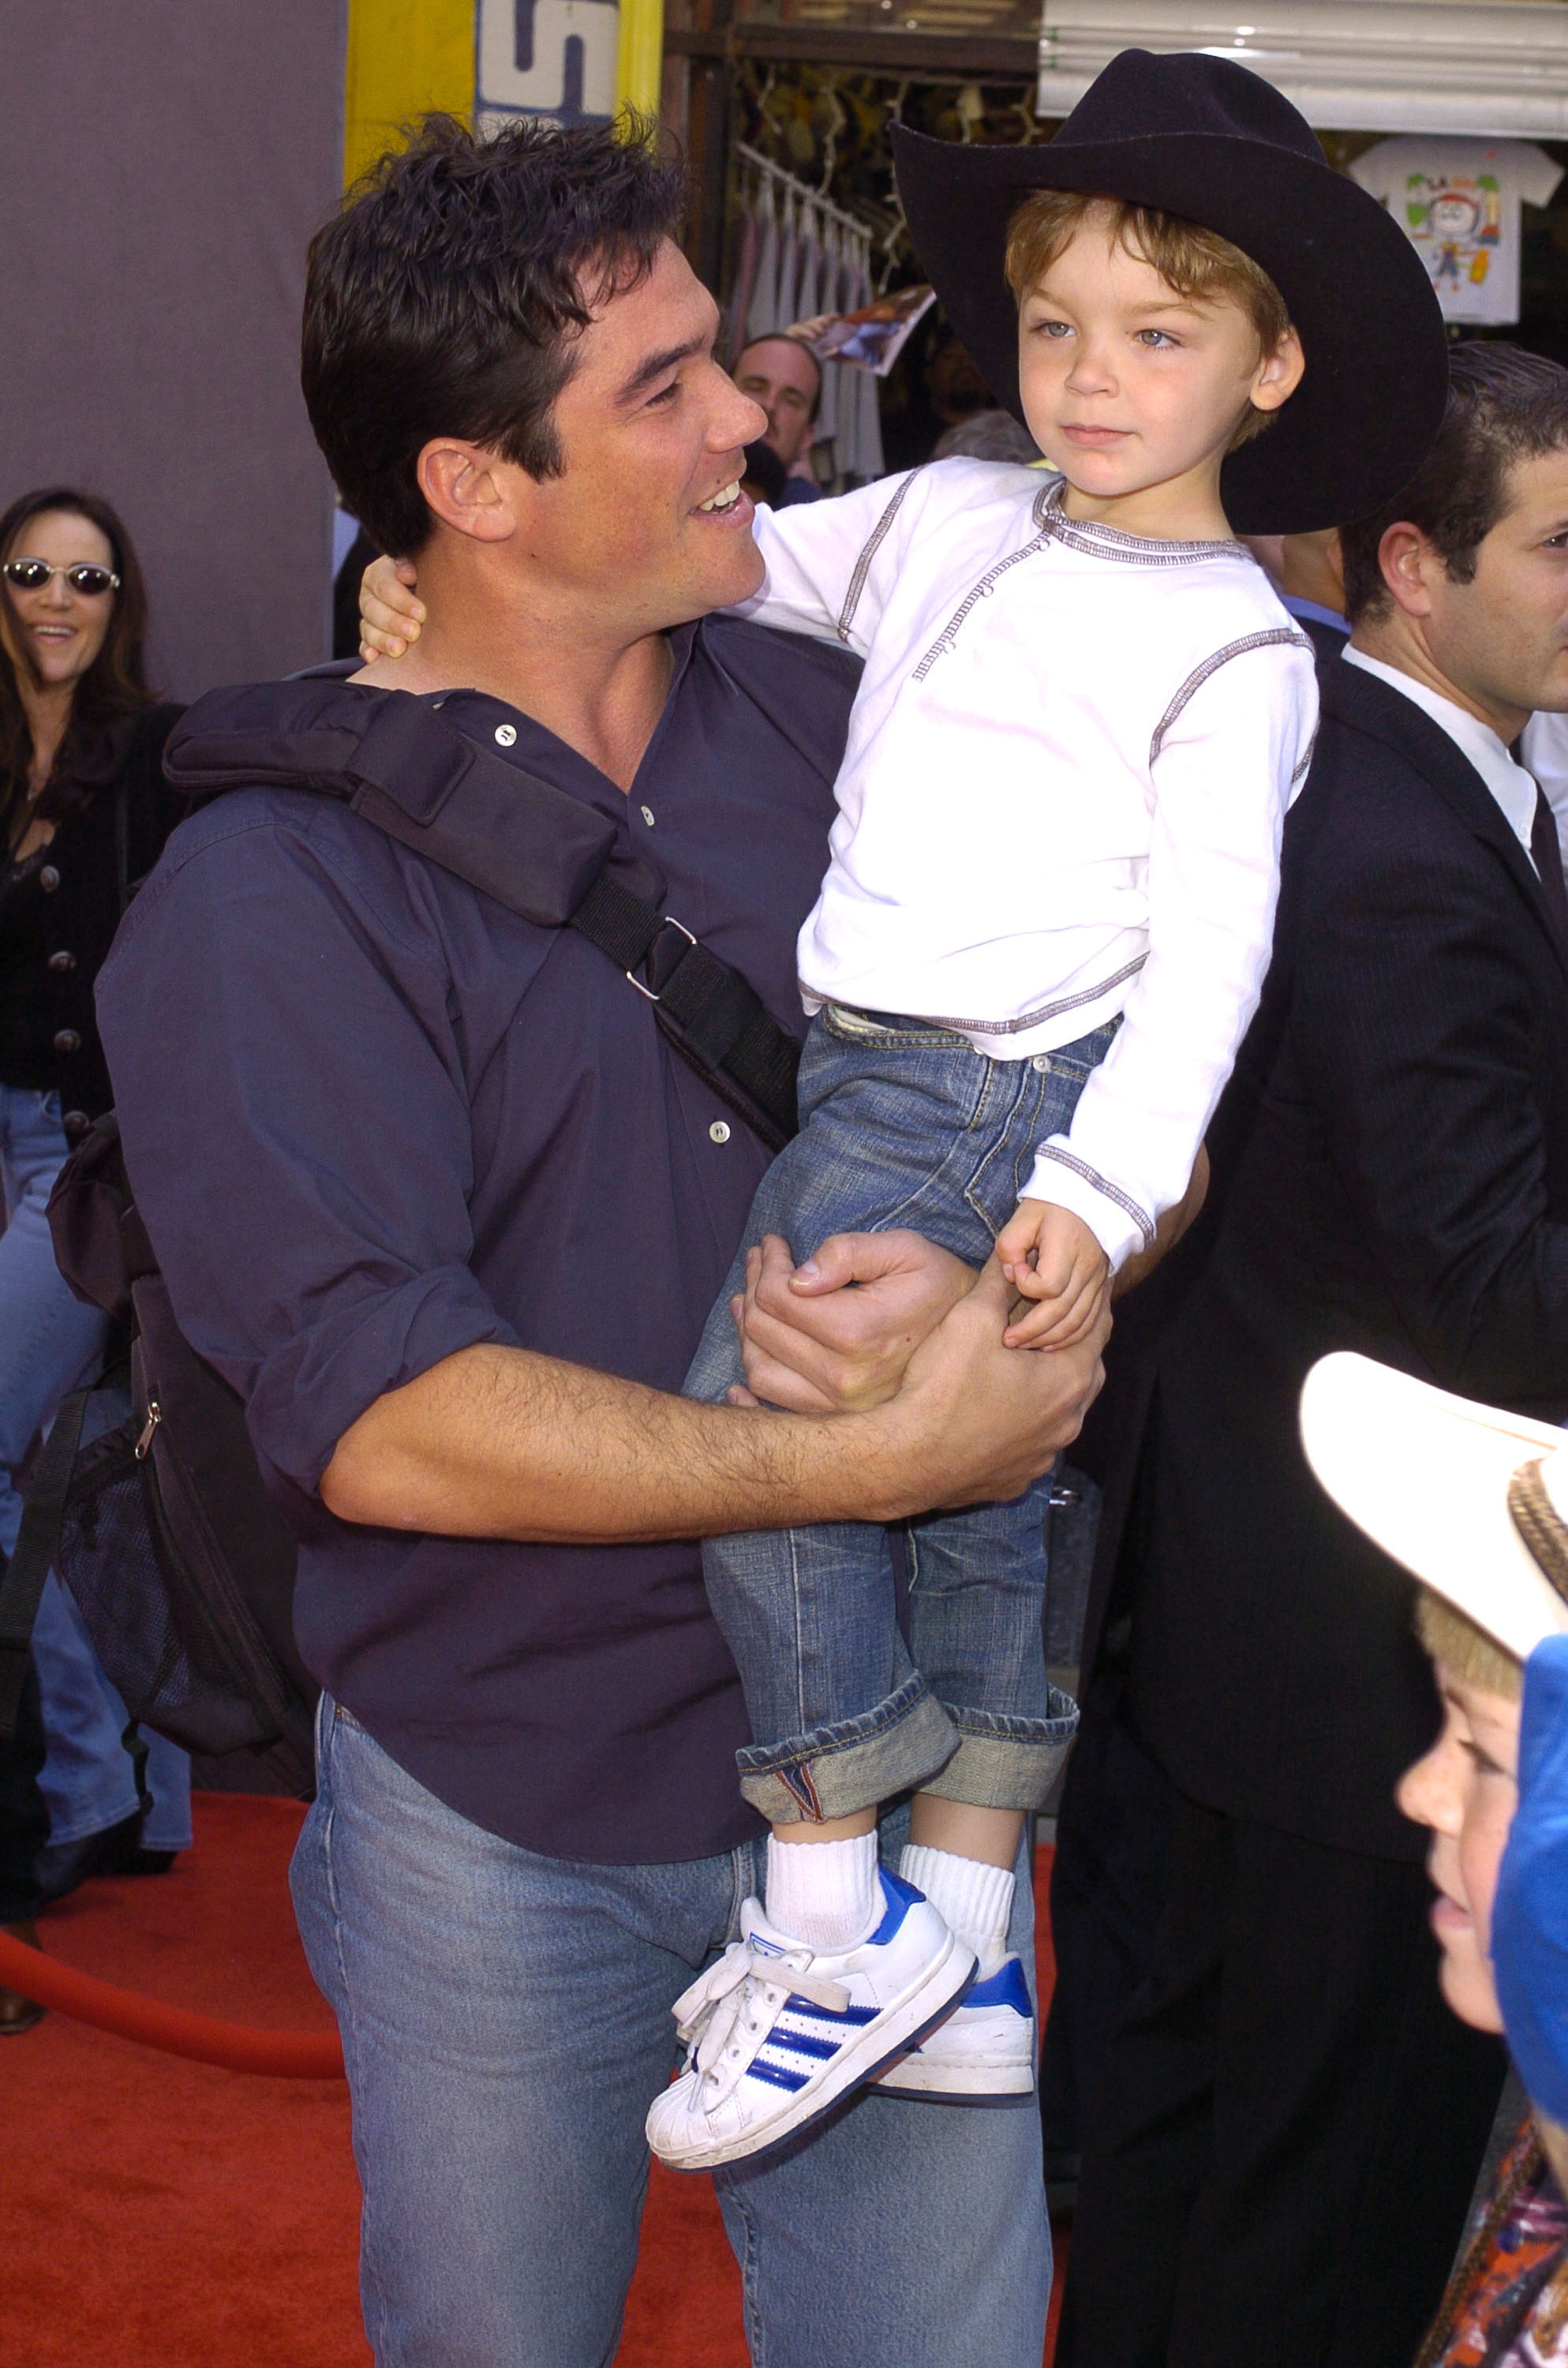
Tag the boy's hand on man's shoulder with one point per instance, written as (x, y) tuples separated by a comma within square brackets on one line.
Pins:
[(391, 612)]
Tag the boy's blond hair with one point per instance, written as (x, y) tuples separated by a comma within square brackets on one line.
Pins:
[(1466, 1649), (1198, 264)]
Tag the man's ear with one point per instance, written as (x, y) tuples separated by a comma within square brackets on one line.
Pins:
[(1405, 557), (467, 489)]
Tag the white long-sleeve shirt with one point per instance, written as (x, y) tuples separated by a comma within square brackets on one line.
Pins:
[(1067, 771)]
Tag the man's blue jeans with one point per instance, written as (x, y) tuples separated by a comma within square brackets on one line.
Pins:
[(51, 1344), (505, 2024), (902, 1124)]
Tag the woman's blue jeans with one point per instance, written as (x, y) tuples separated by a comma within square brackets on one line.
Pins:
[(50, 1345), (900, 1125)]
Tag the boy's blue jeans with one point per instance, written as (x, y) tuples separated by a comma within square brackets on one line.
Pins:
[(900, 1125), (506, 2023)]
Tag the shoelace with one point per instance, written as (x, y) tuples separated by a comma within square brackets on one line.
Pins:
[(719, 1999)]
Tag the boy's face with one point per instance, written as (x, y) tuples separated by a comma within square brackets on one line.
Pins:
[(1126, 384), (1466, 1791)]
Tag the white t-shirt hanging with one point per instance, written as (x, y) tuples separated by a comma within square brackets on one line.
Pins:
[(1459, 200)]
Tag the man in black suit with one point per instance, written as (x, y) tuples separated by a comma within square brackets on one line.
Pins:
[(1283, 2136)]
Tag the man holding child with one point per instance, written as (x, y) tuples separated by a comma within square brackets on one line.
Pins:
[(430, 1187)]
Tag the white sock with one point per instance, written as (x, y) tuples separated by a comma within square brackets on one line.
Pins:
[(975, 1901), (824, 1894)]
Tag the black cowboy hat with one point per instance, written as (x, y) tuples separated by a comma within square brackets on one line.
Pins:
[(1202, 138)]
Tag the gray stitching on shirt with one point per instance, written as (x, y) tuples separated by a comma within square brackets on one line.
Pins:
[(1285, 636), (863, 564), (1133, 550), (1087, 537), (1034, 1018), (1100, 1184), (1302, 768), (981, 591)]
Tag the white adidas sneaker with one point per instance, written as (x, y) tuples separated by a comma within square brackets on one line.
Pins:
[(778, 2035), (984, 2052)]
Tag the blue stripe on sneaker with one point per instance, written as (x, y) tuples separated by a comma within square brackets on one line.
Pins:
[(799, 2042), (777, 2076)]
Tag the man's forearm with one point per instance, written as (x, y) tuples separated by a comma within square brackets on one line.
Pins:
[(500, 1442)]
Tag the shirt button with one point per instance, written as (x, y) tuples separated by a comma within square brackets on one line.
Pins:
[(62, 960), (67, 1041), (75, 1121), (647, 812), (505, 735), (1042, 1063), (718, 1132), (49, 879)]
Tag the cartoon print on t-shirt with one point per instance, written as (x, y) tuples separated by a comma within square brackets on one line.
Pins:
[(1456, 221)]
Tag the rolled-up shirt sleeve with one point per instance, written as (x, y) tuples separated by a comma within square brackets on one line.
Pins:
[(288, 1079)]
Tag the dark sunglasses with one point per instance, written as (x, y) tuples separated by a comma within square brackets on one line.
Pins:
[(33, 574)]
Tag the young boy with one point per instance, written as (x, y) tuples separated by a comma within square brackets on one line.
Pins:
[(1040, 938), (1042, 934), (1470, 1498)]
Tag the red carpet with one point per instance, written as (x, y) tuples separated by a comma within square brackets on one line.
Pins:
[(164, 2215)]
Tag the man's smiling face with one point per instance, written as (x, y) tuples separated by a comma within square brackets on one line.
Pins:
[(648, 514)]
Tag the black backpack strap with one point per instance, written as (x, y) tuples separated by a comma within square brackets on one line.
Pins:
[(545, 855), (706, 1012), (22, 1588), (396, 761)]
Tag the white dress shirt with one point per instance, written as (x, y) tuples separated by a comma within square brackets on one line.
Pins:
[(1066, 776)]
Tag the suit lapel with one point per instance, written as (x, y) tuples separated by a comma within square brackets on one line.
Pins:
[(1372, 706)]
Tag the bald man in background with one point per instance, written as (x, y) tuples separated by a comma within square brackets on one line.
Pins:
[(785, 377)]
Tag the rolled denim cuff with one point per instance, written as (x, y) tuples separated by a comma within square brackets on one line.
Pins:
[(1007, 1763), (854, 1764)]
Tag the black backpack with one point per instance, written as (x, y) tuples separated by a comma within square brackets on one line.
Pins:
[(159, 1523)]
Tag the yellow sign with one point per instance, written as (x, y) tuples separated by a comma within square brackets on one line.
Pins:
[(406, 58), (573, 61)]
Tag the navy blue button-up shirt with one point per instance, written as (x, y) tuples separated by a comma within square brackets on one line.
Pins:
[(373, 1117)]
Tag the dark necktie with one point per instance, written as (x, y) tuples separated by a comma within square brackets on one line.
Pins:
[(1547, 853)]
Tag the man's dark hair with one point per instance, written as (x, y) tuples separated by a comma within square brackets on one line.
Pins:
[(1504, 406), (446, 297)]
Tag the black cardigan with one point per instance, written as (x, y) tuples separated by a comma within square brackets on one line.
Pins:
[(1391, 1176), (98, 854)]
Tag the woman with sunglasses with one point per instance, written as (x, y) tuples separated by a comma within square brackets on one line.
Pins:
[(83, 813)]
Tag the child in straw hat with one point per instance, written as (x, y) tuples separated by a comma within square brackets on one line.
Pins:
[(1474, 1501)]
